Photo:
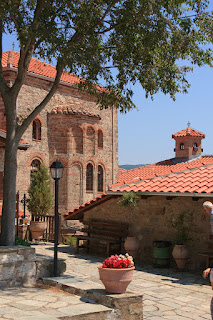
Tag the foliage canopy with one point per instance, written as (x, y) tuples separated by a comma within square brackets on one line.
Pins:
[(118, 42)]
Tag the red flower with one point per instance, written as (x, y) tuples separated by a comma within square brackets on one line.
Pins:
[(118, 262)]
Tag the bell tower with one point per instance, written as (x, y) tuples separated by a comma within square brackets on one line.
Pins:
[(188, 143)]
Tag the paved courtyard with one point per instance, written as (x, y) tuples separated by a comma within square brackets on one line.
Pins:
[(43, 303), (167, 294)]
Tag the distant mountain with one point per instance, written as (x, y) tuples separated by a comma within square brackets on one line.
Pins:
[(130, 166)]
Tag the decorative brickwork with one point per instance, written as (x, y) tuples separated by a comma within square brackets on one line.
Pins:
[(70, 132)]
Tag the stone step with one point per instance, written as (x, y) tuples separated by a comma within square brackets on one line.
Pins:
[(127, 306), (88, 311)]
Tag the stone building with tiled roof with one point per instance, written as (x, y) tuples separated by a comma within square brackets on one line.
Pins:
[(71, 128), (164, 188)]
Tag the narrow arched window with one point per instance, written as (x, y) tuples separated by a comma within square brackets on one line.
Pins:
[(36, 134), (35, 165), (182, 146), (100, 139), (89, 177), (195, 146), (100, 179)]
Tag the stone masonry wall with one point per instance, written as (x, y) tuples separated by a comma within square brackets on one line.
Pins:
[(17, 266), (151, 222)]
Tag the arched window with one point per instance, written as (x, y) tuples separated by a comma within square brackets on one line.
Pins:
[(100, 139), (35, 165), (182, 146), (195, 146), (100, 179), (36, 134), (89, 177)]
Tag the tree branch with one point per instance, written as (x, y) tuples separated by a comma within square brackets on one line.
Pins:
[(27, 52), (105, 14), (21, 129)]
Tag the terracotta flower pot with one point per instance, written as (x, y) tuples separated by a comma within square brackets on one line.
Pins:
[(37, 229), (131, 246), (116, 280), (180, 253)]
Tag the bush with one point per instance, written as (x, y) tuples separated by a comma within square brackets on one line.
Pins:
[(20, 242), (70, 241), (40, 198)]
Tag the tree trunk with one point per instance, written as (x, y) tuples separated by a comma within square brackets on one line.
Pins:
[(9, 182)]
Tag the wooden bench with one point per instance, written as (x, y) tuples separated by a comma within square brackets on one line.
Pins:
[(102, 232)]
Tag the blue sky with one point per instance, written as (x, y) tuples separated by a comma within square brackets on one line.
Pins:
[(145, 136)]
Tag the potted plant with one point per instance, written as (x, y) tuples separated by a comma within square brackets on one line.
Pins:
[(116, 272), (182, 225), (130, 201), (39, 201)]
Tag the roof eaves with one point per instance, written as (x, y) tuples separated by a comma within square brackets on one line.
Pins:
[(78, 213), (166, 194)]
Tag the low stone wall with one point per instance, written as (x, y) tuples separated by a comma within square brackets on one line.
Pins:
[(20, 266), (17, 266)]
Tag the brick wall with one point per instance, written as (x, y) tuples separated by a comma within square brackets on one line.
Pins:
[(188, 150), (72, 139), (150, 222)]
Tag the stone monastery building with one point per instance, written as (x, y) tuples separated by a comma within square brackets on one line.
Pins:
[(71, 129)]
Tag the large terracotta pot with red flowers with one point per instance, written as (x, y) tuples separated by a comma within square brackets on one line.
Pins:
[(116, 273), (116, 280)]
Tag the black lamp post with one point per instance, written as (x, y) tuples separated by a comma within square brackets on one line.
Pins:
[(56, 170), (24, 200)]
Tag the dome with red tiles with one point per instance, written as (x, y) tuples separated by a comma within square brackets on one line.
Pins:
[(188, 132)]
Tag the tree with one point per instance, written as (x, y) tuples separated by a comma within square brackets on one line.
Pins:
[(118, 41), (40, 198)]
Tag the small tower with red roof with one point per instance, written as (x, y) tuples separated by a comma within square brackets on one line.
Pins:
[(188, 143)]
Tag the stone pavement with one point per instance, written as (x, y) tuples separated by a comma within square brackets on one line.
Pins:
[(167, 294), (44, 303)]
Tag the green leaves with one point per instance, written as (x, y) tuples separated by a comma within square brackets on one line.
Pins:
[(182, 224), (39, 194), (117, 43), (129, 199)]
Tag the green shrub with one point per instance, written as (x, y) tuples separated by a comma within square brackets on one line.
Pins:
[(39, 199), (20, 242), (70, 241)]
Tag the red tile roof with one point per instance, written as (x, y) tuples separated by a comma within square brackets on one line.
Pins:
[(20, 213), (161, 168), (190, 180), (36, 66), (73, 110), (182, 178), (189, 132), (83, 207)]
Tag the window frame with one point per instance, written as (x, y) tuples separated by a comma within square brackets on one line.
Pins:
[(89, 177), (100, 179), (36, 130)]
